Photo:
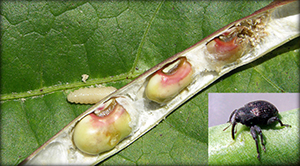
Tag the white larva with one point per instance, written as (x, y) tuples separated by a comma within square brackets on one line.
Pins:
[(90, 95)]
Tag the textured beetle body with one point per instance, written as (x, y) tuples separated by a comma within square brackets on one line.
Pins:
[(252, 115), (255, 113)]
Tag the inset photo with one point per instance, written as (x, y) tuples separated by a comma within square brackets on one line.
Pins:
[(253, 128)]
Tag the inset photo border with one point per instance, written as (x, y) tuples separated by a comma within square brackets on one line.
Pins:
[(271, 144), (221, 105)]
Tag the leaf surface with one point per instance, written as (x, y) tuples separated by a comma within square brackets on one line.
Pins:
[(282, 144)]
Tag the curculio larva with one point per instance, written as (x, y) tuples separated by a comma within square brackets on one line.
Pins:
[(90, 95)]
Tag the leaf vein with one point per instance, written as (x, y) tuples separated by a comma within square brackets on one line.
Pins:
[(268, 80), (139, 50)]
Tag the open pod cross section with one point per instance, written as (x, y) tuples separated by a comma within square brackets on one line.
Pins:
[(148, 99)]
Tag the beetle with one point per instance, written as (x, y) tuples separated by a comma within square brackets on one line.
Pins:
[(252, 115)]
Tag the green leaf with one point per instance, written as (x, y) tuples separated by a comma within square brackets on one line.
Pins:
[(282, 144), (48, 45)]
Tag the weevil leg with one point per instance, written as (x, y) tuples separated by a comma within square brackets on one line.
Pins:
[(253, 131), (257, 129), (274, 119)]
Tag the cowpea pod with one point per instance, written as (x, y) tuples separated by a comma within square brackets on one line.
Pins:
[(234, 45)]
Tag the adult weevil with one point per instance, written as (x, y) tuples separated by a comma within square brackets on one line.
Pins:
[(252, 115)]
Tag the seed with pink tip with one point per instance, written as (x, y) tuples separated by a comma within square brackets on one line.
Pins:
[(102, 130), (228, 47), (167, 82)]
